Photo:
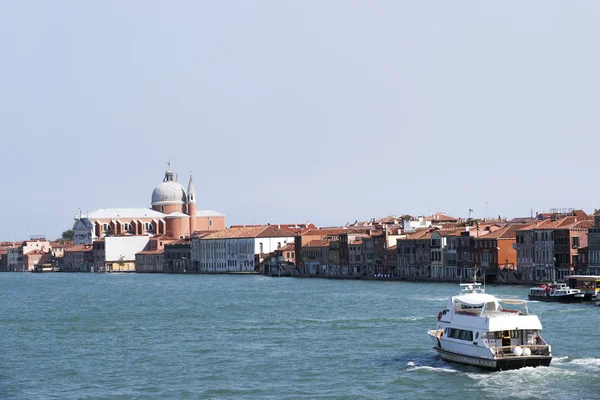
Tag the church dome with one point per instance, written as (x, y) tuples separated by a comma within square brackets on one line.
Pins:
[(169, 191)]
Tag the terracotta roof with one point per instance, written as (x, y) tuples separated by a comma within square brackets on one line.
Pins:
[(521, 220), (441, 217), (249, 232), (508, 232), (316, 243), (332, 231), (587, 224), (580, 213), (156, 252), (79, 247), (419, 234), (538, 225), (287, 247), (449, 232), (390, 219)]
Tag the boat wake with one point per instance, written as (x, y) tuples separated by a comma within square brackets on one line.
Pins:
[(431, 298), (586, 364), (413, 367)]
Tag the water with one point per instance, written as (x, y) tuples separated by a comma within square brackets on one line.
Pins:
[(128, 336)]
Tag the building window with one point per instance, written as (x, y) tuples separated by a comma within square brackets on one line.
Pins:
[(210, 222)]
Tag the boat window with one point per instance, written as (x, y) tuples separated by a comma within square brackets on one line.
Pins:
[(470, 336), (514, 334), (462, 335), (477, 335)]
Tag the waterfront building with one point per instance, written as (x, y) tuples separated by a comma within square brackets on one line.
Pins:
[(4, 248), (525, 248), (568, 242), (152, 258), (496, 250), (315, 257), (99, 255), (120, 251), (594, 248), (374, 249), (450, 270), (34, 258), (414, 254), (173, 214), (549, 250), (78, 258), (338, 253), (150, 261), (17, 258), (237, 249), (3, 260), (543, 247), (438, 247), (466, 262), (177, 257), (14, 260), (287, 253), (355, 256)]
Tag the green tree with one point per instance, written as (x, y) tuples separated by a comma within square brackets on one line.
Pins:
[(68, 235)]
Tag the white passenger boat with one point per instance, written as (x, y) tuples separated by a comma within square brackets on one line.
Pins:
[(479, 329)]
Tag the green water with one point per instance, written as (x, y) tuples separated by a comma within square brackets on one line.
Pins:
[(135, 336)]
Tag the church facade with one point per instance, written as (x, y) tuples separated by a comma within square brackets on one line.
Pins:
[(173, 215)]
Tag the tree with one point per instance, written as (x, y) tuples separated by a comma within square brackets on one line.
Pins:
[(68, 235)]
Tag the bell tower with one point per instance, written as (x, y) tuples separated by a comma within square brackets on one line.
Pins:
[(191, 205)]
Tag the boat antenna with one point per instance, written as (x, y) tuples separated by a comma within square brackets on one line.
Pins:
[(484, 281)]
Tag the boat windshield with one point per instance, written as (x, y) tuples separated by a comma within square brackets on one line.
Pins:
[(514, 306)]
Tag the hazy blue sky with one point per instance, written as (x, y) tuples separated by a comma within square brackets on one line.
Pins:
[(327, 111)]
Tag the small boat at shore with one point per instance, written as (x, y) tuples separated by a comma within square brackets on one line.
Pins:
[(556, 292), (481, 330)]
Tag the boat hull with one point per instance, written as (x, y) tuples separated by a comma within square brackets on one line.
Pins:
[(495, 364), (570, 298)]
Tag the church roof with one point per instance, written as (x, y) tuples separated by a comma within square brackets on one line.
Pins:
[(169, 191), (119, 213), (177, 214), (208, 213)]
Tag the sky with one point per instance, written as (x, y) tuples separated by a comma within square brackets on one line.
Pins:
[(294, 111)]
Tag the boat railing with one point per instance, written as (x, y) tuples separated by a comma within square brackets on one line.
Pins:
[(508, 351)]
